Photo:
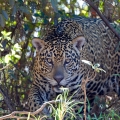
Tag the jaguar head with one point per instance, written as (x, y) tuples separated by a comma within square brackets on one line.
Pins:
[(58, 63)]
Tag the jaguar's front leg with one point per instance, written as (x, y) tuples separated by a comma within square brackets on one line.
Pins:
[(37, 96)]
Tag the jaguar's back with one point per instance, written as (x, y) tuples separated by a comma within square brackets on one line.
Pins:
[(58, 60), (101, 47)]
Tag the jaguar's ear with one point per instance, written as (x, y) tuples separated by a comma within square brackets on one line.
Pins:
[(38, 44), (78, 42)]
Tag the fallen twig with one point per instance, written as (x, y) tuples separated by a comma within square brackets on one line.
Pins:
[(12, 115)]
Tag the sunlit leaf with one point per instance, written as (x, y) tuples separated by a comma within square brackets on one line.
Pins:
[(17, 56), (17, 47), (83, 11), (87, 62), (8, 33), (7, 58), (100, 69), (13, 52), (1, 47), (96, 65), (3, 33)]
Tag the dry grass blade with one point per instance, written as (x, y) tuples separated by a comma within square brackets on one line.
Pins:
[(83, 86)]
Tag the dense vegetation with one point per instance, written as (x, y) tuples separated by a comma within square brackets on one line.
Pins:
[(20, 21)]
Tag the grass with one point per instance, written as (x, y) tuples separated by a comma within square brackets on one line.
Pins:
[(65, 107)]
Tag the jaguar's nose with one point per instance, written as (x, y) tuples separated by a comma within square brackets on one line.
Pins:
[(58, 76)]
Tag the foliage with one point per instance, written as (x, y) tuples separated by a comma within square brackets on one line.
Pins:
[(64, 107), (96, 66), (20, 21)]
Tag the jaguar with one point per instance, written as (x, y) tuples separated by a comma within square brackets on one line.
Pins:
[(58, 61)]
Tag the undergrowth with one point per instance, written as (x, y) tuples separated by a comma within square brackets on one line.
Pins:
[(63, 109)]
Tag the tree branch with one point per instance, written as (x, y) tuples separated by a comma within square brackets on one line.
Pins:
[(12, 115), (103, 18), (6, 99)]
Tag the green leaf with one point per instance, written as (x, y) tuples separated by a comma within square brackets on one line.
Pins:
[(5, 33), (80, 109), (17, 56), (2, 21), (7, 58), (17, 47), (12, 2), (8, 33), (100, 69), (13, 52), (4, 13), (116, 75), (87, 62), (37, 15), (1, 47), (96, 65), (14, 10), (54, 5)]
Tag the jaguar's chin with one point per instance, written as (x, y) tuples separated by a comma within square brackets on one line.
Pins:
[(59, 89)]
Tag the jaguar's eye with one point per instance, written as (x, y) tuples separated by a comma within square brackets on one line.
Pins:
[(49, 60)]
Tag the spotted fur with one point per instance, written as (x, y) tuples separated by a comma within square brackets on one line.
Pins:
[(58, 61)]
